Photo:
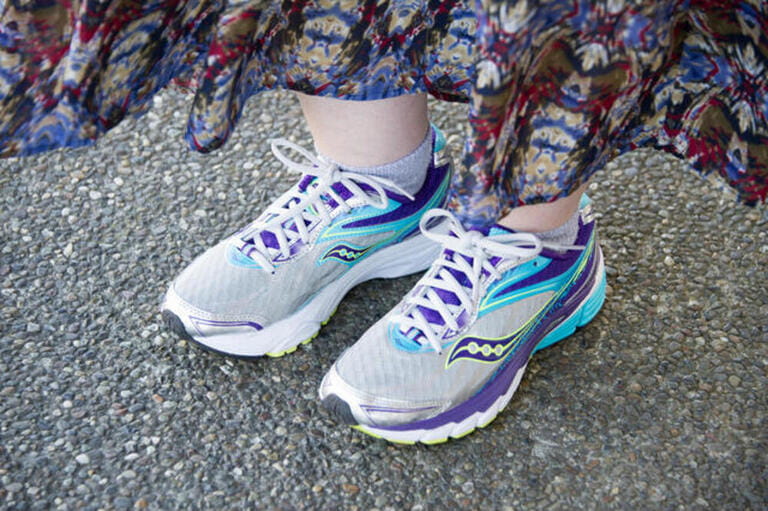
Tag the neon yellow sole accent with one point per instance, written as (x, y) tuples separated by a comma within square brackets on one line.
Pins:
[(369, 433), (400, 442), (278, 354), (435, 442), (379, 437), (462, 435), (488, 421)]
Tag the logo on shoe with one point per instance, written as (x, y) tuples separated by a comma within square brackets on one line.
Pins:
[(346, 254), (478, 349)]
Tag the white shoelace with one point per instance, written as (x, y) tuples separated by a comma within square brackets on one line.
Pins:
[(466, 246), (303, 209)]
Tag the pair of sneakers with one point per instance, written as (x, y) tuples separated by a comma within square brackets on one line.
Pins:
[(442, 362)]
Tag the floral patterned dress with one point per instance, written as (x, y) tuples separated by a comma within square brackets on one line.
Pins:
[(556, 87)]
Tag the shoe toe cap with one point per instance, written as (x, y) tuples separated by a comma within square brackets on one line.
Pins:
[(354, 406)]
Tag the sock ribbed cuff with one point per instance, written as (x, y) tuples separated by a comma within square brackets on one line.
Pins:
[(409, 172), (565, 234)]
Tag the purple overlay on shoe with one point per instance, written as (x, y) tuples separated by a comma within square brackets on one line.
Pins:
[(519, 350), (434, 184), (492, 350), (200, 322), (560, 262), (399, 219)]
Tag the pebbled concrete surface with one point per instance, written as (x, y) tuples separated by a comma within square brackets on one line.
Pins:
[(660, 403)]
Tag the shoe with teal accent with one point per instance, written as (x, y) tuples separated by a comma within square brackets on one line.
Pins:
[(271, 286), (448, 358)]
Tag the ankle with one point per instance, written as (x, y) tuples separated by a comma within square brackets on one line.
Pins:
[(539, 218)]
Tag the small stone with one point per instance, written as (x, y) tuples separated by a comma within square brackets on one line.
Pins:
[(141, 504), (317, 488), (734, 380), (94, 194), (122, 503), (669, 261), (67, 251), (350, 488), (66, 404), (33, 327), (82, 459)]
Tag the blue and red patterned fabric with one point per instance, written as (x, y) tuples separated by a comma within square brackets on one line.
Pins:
[(556, 87)]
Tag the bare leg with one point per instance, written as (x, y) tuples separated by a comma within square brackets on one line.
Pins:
[(543, 217), (366, 133)]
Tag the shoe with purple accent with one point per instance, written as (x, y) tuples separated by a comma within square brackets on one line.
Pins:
[(271, 286), (448, 358)]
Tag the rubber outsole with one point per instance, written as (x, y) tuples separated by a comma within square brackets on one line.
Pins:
[(339, 409)]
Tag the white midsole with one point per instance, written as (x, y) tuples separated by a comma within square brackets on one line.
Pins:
[(410, 256)]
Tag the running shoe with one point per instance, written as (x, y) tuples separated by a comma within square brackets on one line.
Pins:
[(271, 286), (449, 356)]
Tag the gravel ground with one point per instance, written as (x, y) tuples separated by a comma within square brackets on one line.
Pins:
[(660, 403)]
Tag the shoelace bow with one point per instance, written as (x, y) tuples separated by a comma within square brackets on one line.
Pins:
[(466, 252), (303, 208)]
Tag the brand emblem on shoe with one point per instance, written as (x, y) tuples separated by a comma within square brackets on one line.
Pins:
[(478, 349), (346, 254)]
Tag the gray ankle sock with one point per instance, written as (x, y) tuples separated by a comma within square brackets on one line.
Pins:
[(409, 172), (563, 235)]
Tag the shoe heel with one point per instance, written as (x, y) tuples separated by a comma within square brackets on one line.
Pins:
[(581, 317)]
